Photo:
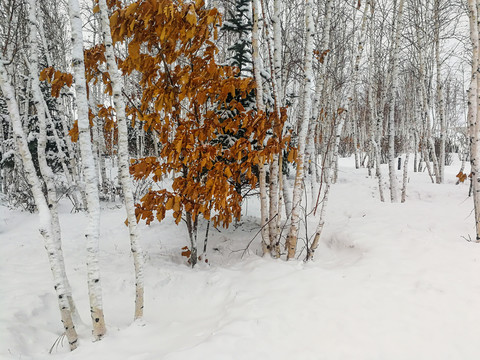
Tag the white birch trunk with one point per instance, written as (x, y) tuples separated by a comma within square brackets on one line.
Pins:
[(391, 118), (321, 223), (274, 195), (320, 85), (3, 169), (124, 159), (92, 234), (275, 190), (266, 247), (440, 101), (292, 237), (97, 133), (473, 113), (287, 198), (277, 50), (45, 169), (70, 169), (375, 121), (311, 161), (375, 139), (45, 219), (405, 177), (320, 81)]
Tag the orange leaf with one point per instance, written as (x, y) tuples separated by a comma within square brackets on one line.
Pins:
[(176, 204), (169, 204), (186, 252), (131, 9)]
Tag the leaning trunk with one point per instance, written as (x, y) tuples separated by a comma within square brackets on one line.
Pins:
[(45, 223), (123, 158)]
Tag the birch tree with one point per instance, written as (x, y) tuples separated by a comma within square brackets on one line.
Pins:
[(45, 169), (55, 255), (398, 21), (473, 113), (440, 101), (302, 127), (92, 234), (257, 68), (124, 159)]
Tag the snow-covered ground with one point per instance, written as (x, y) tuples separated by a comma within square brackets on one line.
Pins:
[(389, 281)]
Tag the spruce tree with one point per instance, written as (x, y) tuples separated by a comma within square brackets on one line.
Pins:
[(239, 24)]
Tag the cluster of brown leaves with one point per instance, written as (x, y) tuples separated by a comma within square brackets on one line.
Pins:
[(190, 102), (56, 79), (462, 177)]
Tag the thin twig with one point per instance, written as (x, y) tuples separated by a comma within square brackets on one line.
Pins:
[(258, 232)]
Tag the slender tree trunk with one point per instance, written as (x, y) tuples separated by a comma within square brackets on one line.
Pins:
[(91, 188), (405, 177), (192, 233), (375, 144), (473, 113), (440, 101), (375, 121), (99, 139), (69, 167), (45, 220), (124, 159), (314, 124), (302, 132), (261, 108), (3, 169), (321, 223), (415, 147), (276, 82), (393, 97), (45, 169), (277, 51), (287, 198)]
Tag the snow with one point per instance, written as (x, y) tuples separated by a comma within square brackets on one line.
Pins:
[(7, 154), (389, 281)]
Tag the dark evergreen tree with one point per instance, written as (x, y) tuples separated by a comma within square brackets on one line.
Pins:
[(239, 23)]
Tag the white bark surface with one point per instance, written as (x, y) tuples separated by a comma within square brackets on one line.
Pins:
[(321, 223), (45, 219), (302, 132), (391, 117), (46, 171), (92, 233), (257, 67), (124, 159), (277, 89), (440, 101), (473, 113)]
